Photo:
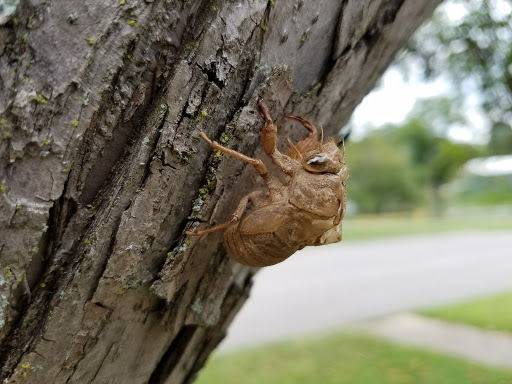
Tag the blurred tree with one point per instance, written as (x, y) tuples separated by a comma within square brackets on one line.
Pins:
[(474, 189), (447, 159), (382, 178), (398, 167), (418, 139), (501, 139), (435, 158), (440, 114), (474, 50), (443, 167)]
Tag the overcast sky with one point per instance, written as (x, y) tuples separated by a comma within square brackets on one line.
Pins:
[(394, 97)]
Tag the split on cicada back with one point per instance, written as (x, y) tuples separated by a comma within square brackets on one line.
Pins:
[(311, 142)]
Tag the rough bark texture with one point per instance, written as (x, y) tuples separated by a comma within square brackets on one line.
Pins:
[(102, 169)]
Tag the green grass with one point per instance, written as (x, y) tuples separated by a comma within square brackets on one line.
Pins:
[(365, 227), (493, 312), (343, 358)]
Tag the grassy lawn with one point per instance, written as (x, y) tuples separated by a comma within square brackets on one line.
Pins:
[(363, 227), (343, 358), (493, 312)]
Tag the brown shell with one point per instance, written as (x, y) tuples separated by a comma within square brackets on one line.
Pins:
[(305, 210)]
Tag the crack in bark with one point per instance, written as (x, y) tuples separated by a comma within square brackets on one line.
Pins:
[(25, 311), (155, 128), (388, 13), (172, 355), (234, 298), (101, 365), (92, 341), (25, 330), (331, 59), (114, 150), (159, 128), (95, 283)]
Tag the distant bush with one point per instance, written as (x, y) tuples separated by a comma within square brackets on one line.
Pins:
[(382, 178), (401, 167), (483, 190)]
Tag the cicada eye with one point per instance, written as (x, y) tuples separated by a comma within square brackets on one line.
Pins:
[(317, 160), (318, 163)]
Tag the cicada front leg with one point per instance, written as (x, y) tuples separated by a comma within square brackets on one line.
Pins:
[(306, 123), (269, 139), (308, 143), (269, 131)]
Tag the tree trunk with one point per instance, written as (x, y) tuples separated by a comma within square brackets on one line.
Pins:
[(102, 167)]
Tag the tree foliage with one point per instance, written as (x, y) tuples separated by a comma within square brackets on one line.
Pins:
[(399, 167), (474, 51), (382, 177), (436, 158)]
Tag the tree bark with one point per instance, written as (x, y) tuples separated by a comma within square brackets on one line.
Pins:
[(102, 168)]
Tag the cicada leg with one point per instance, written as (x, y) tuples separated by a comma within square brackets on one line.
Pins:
[(273, 183), (269, 139), (256, 198), (306, 123), (256, 163), (269, 131)]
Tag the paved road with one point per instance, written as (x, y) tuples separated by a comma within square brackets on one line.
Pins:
[(330, 286)]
